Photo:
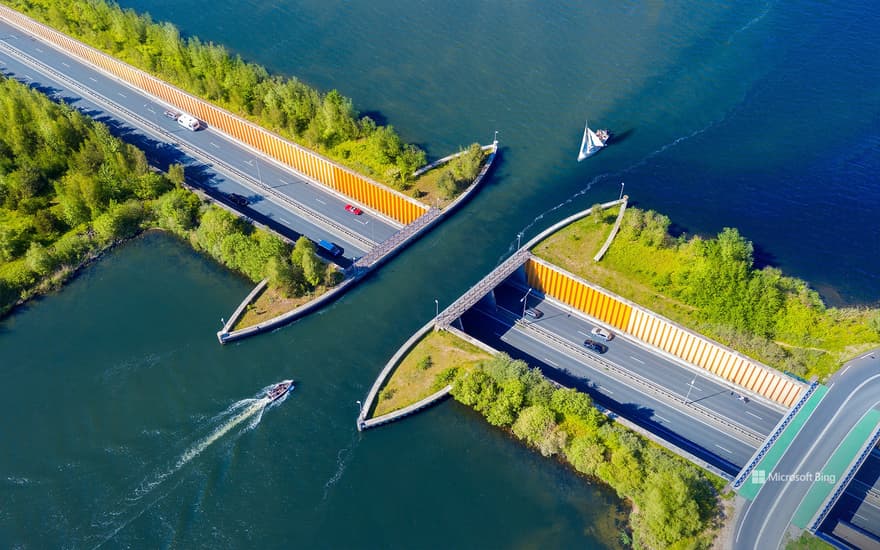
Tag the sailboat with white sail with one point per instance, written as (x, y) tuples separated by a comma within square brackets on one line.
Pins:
[(592, 141)]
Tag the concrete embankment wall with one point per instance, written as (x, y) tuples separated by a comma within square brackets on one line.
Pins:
[(320, 169), (662, 333)]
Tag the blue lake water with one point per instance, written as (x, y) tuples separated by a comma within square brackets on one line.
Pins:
[(125, 421)]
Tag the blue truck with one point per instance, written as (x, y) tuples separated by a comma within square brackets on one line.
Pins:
[(331, 248)]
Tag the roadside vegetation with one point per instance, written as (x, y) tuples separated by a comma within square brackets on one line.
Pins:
[(428, 367), (325, 122), (439, 186), (807, 541), (69, 190), (711, 285), (674, 503)]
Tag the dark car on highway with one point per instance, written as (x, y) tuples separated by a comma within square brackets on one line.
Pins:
[(534, 313), (240, 200), (593, 345)]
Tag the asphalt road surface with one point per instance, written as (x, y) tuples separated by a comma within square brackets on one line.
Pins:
[(860, 504), (667, 418), (853, 391), (214, 180)]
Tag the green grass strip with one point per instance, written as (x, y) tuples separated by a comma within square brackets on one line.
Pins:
[(835, 468), (749, 489)]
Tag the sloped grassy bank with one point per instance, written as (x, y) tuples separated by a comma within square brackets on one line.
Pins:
[(713, 286), (70, 190)]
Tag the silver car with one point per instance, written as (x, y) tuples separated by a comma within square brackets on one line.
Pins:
[(602, 333)]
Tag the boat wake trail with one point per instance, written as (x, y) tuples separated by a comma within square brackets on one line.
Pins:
[(342, 458), (752, 22), (601, 177), (162, 482)]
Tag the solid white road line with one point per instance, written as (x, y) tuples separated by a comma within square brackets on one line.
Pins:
[(214, 145), (723, 448), (636, 359), (658, 417), (753, 414), (319, 200)]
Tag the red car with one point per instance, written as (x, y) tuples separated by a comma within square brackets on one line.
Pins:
[(353, 209)]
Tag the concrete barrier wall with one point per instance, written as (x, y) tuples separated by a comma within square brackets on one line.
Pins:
[(591, 300), (724, 362), (340, 179), (662, 333)]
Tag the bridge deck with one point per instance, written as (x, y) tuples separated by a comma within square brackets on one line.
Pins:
[(836, 467), (767, 464)]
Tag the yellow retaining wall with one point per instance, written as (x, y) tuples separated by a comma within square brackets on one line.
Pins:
[(368, 192), (590, 300), (663, 334)]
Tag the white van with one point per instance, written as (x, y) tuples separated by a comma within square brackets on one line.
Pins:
[(188, 122)]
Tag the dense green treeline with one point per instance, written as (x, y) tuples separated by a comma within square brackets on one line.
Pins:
[(325, 122), (762, 312), (675, 504), (69, 190)]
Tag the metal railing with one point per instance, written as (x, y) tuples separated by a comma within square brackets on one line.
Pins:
[(745, 472), (487, 283)]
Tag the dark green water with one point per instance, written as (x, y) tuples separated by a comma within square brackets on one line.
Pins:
[(110, 389), (744, 115)]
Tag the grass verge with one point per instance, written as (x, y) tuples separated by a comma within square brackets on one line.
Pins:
[(413, 379), (271, 303)]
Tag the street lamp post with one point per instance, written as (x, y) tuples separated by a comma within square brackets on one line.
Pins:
[(525, 301), (621, 192), (518, 239), (259, 176), (436, 308), (690, 387)]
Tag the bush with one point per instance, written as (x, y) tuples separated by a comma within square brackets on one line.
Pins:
[(425, 363)]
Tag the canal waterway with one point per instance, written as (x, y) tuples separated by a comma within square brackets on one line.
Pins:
[(125, 421)]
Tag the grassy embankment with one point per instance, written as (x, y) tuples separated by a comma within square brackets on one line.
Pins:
[(69, 190), (712, 286), (271, 303), (442, 184), (325, 122), (416, 375)]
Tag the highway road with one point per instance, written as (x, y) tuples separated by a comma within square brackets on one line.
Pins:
[(208, 166), (700, 435), (853, 391), (688, 382), (860, 504)]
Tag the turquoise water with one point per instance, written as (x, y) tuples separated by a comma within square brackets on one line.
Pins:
[(124, 420)]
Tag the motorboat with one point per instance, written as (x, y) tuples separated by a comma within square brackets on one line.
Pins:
[(279, 390), (592, 141)]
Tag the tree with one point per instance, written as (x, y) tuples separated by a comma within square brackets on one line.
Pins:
[(305, 256), (534, 424), (669, 509)]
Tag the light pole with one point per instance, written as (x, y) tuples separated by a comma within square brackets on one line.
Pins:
[(525, 301), (690, 387), (436, 308), (621, 192), (495, 139), (360, 407), (518, 239)]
